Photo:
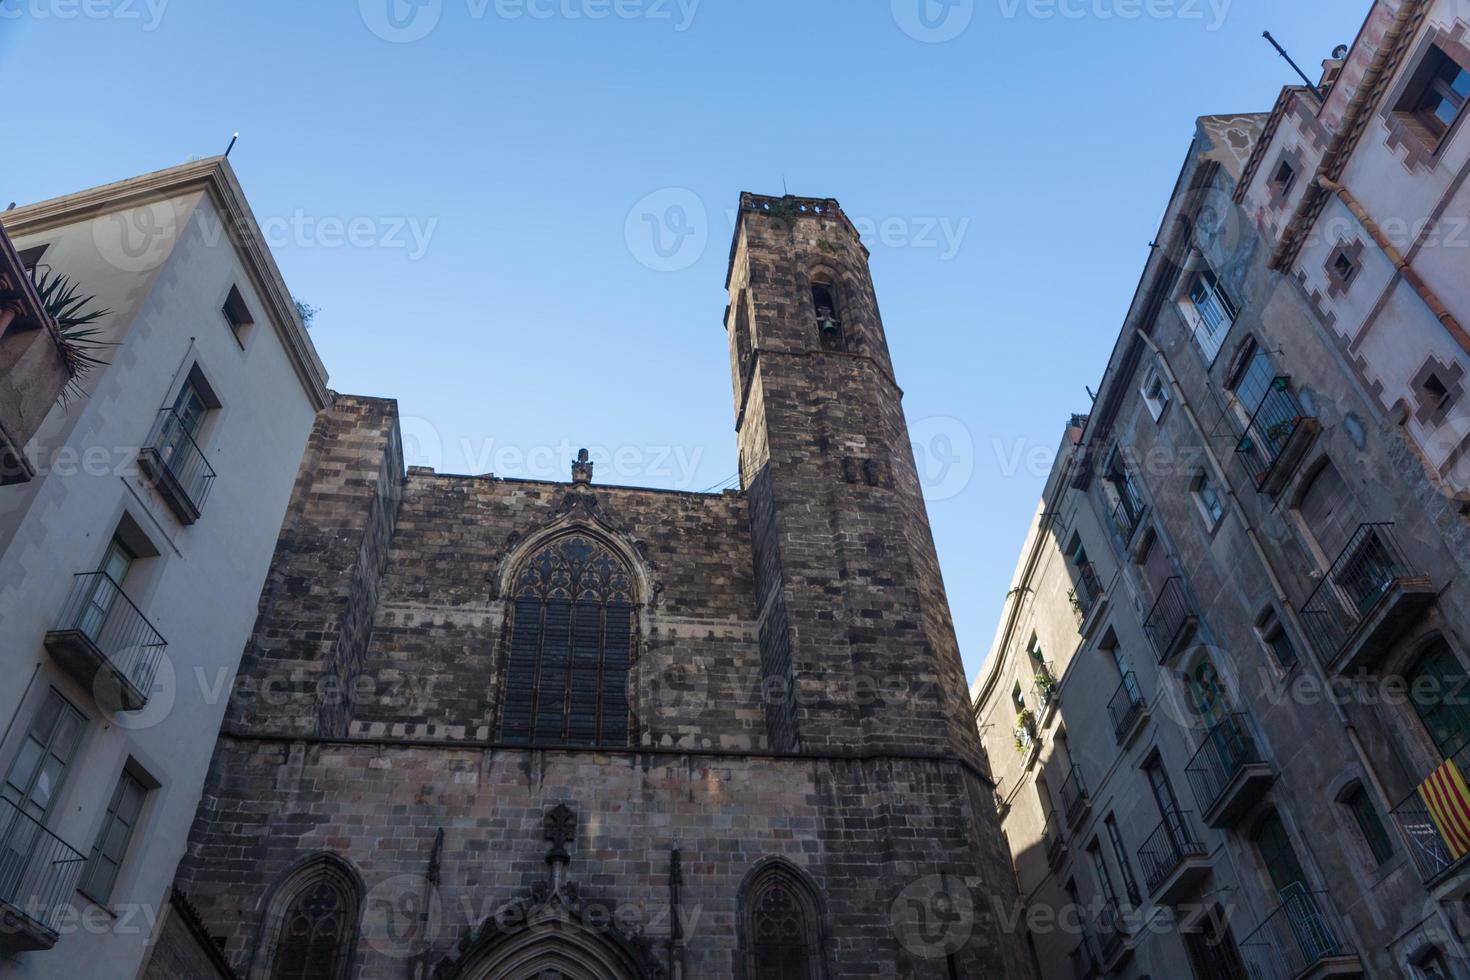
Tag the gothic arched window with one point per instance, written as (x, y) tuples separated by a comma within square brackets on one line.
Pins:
[(828, 315), (571, 647), (317, 923), (781, 928)]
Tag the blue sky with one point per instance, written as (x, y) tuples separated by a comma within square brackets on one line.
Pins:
[(462, 187)]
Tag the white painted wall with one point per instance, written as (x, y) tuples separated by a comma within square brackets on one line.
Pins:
[(202, 589)]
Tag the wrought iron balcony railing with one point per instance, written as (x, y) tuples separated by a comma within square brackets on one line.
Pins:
[(1084, 958), (1089, 588), (177, 466), (1277, 433), (1303, 934), (1367, 584), (101, 630), (1127, 515), (38, 873), (1171, 622), (1055, 839), (1074, 796), (1108, 926), (1428, 846), (1228, 770), (1126, 707), (1166, 850), (1046, 687)]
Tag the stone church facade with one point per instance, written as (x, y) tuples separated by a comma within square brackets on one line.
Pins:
[(494, 728)]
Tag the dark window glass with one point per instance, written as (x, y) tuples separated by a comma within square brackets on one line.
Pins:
[(571, 648), (1277, 854), (1371, 826), (781, 925), (1438, 690), (314, 934), (113, 839)]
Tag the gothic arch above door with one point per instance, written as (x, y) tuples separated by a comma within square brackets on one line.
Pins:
[(552, 944)]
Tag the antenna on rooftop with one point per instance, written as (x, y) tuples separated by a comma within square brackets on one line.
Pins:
[(1295, 67), (232, 144)]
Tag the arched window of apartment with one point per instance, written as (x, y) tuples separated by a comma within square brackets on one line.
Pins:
[(1330, 513), (1439, 690), (314, 921), (781, 926), (571, 647), (828, 314)]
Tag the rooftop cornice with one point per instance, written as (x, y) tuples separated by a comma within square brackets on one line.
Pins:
[(215, 177)]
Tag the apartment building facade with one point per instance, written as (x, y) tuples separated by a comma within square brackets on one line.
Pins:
[(133, 548), (1226, 706)]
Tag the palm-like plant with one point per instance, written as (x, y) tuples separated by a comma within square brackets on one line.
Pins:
[(75, 317)]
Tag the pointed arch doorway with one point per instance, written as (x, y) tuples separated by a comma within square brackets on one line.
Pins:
[(553, 945)]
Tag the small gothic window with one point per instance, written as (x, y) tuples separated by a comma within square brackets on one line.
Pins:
[(571, 647), (316, 927), (781, 928)]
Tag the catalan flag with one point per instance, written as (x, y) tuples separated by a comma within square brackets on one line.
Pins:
[(1448, 800)]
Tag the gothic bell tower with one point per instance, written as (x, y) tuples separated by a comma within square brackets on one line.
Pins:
[(857, 645)]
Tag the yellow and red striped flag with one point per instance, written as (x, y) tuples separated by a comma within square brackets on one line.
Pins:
[(1448, 800)]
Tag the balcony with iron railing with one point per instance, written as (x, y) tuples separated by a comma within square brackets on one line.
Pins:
[(1088, 594), (38, 874), (177, 467), (1045, 688), (1276, 438), (1027, 737), (1303, 939), (1369, 596), (1174, 859), (1229, 775), (1085, 965), (1075, 799), (1127, 517), (105, 643), (1112, 937), (1127, 710), (1055, 840), (1172, 621), (1430, 846)]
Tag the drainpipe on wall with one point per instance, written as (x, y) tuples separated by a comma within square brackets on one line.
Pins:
[(1400, 262), (1218, 471)]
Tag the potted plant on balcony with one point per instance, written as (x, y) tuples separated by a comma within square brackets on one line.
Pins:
[(75, 317), (1025, 731), (1046, 685)]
